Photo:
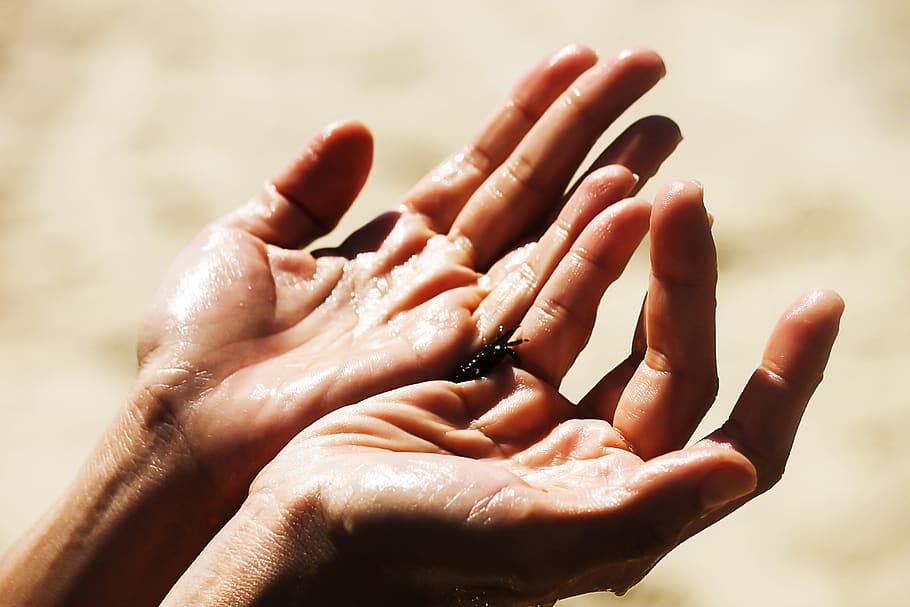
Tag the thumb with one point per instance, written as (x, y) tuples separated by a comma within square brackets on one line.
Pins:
[(307, 198)]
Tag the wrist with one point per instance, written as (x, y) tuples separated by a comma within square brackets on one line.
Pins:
[(265, 555), (124, 530)]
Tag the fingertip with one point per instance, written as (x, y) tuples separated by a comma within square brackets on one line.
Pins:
[(804, 336), (601, 189), (342, 145), (661, 128), (630, 216), (680, 209), (682, 247), (815, 316), (349, 143), (631, 72), (643, 146), (613, 177), (801, 343), (636, 204), (821, 301), (642, 58), (572, 52), (347, 129), (681, 192), (309, 195)]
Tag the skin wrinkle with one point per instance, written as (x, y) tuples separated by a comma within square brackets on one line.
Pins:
[(555, 311), (274, 197), (659, 363), (156, 421), (160, 414), (775, 373), (499, 449), (624, 442), (604, 228), (768, 466), (526, 278), (423, 426), (321, 225), (480, 508), (562, 228), (518, 169), (693, 283), (474, 156), (574, 100), (526, 116)]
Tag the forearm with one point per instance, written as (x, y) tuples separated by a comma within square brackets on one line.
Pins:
[(260, 559), (126, 528)]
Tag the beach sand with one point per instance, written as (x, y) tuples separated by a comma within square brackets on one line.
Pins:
[(125, 126)]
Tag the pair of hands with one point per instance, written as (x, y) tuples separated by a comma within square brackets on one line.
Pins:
[(499, 488), (325, 373)]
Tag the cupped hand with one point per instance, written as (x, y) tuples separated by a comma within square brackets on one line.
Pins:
[(501, 491), (253, 338)]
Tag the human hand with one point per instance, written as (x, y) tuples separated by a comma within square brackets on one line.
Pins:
[(501, 491), (251, 338)]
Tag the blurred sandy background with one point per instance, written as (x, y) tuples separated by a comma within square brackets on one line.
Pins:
[(124, 126)]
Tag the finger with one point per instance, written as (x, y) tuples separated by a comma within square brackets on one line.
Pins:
[(516, 284), (562, 317), (520, 193), (440, 196), (676, 382), (601, 401), (641, 148), (307, 198), (764, 421)]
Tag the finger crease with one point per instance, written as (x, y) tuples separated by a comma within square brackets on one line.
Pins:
[(585, 257), (572, 101), (518, 169), (525, 115), (556, 310), (477, 158), (321, 226)]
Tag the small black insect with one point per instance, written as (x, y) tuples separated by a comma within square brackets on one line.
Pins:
[(489, 357)]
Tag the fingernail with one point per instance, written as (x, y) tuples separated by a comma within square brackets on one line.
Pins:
[(710, 219), (699, 185), (635, 179), (723, 486)]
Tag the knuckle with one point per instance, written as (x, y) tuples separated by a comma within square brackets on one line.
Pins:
[(575, 102), (522, 111), (518, 169), (476, 158)]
